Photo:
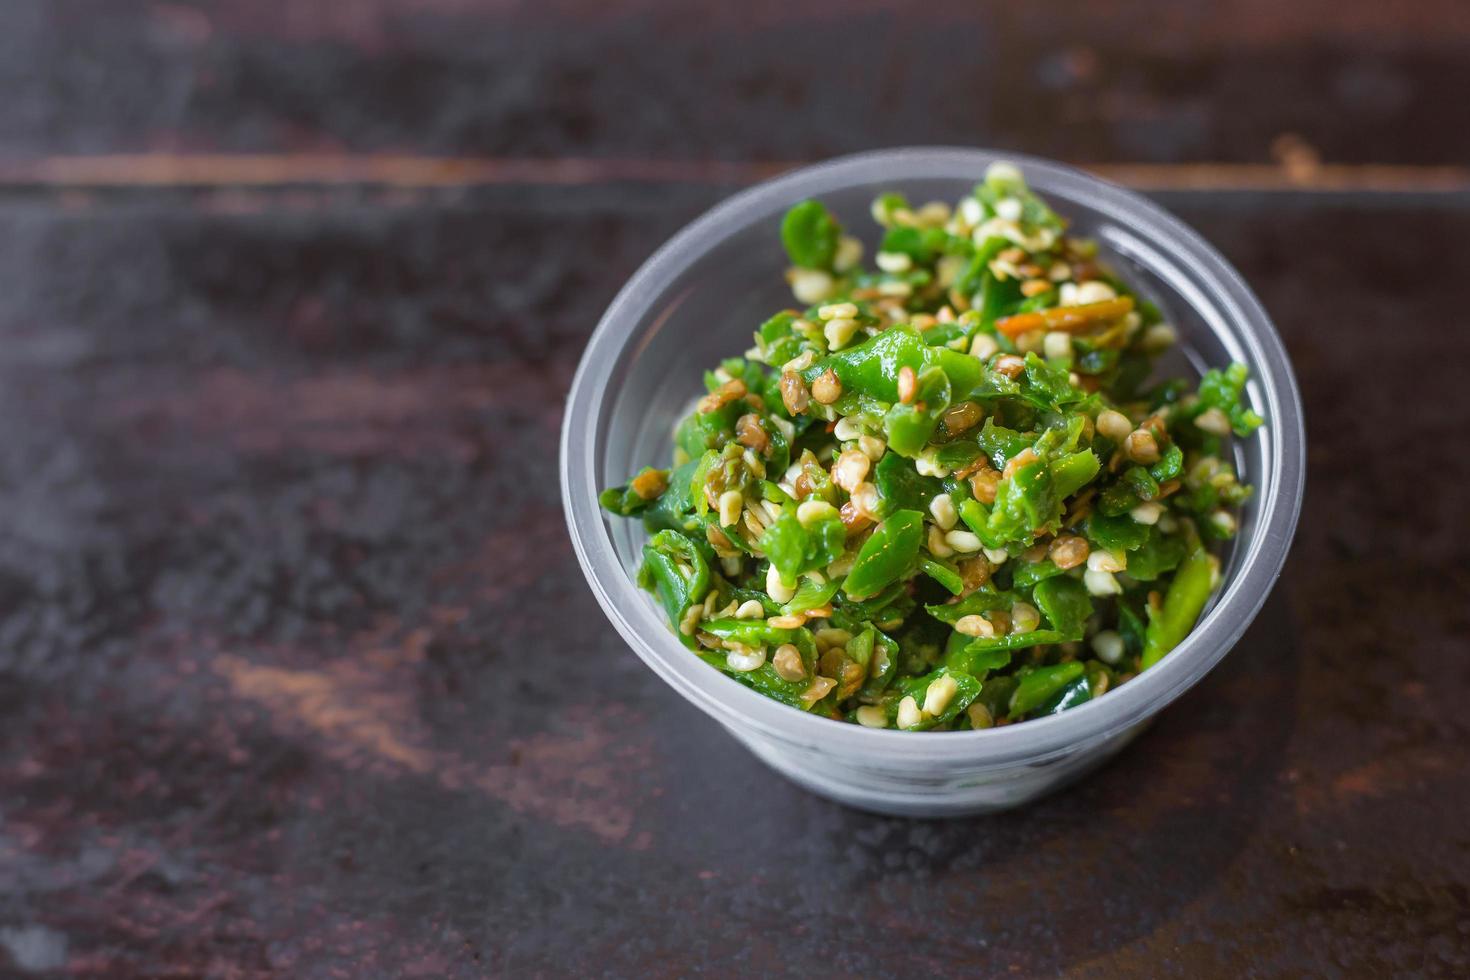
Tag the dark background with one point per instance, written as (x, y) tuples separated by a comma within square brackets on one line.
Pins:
[(298, 674)]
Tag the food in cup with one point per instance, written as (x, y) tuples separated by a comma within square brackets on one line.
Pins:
[(945, 493)]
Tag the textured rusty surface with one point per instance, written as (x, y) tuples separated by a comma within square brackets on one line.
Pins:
[(299, 674)]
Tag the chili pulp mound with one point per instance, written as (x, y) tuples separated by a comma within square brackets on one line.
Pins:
[(947, 493)]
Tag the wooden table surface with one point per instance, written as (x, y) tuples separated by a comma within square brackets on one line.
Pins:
[(299, 675)]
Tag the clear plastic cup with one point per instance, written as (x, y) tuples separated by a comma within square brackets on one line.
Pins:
[(698, 299)]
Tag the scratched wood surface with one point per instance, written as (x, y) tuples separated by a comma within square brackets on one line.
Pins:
[(298, 675)]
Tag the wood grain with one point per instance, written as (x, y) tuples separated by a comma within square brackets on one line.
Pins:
[(1134, 82), (270, 171), (300, 677)]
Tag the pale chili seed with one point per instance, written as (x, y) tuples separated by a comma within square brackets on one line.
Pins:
[(1142, 447), (1023, 458), (983, 485), (974, 572), (748, 433), (827, 388), (724, 394), (908, 385), (650, 484), (852, 518), (1009, 365), (1068, 551), (787, 663), (1034, 553), (794, 394), (959, 418)]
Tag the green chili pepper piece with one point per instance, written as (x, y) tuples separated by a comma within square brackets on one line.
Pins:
[(1001, 443), (1045, 385), (892, 601), (1023, 504), (810, 595), (887, 554), (1135, 486), (754, 633), (901, 487), (967, 688), (795, 548), (1225, 390), (986, 653), (1038, 686), (675, 571), (1169, 466), (885, 204), (977, 661), (1118, 532), (626, 501), (1158, 554), (1065, 604), (908, 240), (673, 510), (943, 574), (757, 634), (882, 664), (909, 427), (709, 430), (810, 233), (977, 518), (763, 679), (964, 372), (998, 298), (1075, 693), (1073, 472), (1027, 574), (1131, 625), (1183, 602), (959, 454), (871, 368), (983, 600)]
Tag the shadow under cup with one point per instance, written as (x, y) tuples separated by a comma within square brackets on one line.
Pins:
[(697, 301)]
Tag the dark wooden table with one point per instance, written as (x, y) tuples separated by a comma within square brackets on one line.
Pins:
[(299, 675)]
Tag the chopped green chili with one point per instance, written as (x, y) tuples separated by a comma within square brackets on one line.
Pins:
[(945, 493)]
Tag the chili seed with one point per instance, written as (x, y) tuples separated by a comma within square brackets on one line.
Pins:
[(1142, 447), (1108, 645), (1068, 551), (748, 433), (827, 388), (650, 484), (908, 385), (1009, 365), (974, 625), (787, 663), (939, 694), (959, 418), (1114, 425), (794, 394), (850, 469), (983, 485), (909, 715)]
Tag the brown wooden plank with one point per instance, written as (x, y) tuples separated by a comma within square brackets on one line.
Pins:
[(298, 675), (163, 170), (1136, 82)]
